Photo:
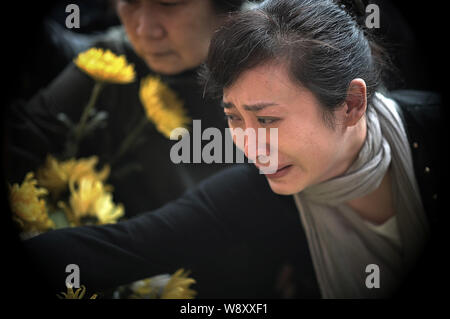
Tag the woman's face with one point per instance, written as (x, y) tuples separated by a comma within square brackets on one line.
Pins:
[(309, 151), (171, 36)]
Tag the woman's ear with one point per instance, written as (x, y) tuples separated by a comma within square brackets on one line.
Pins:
[(355, 104)]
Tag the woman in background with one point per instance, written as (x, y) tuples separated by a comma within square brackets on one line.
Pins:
[(167, 38)]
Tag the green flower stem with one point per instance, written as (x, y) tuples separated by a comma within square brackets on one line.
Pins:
[(90, 105), (128, 141), (72, 145)]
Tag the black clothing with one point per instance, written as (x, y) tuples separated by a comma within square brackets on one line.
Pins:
[(145, 178)]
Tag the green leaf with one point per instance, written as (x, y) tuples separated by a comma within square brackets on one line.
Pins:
[(59, 218), (99, 120)]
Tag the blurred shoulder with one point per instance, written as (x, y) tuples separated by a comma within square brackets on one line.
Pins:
[(242, 191), (239, 178)]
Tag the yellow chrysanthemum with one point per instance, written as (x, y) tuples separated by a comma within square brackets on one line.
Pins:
[(55, 175), (162, 106), (105, 210), (144, 289), (78, 294), (90, 198), (28, 208), (83, 199), (105, 66), (164, 287), (85, 167), (178, 286)]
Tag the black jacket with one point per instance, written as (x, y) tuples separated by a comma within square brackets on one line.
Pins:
[(423, 114), (232, 231)]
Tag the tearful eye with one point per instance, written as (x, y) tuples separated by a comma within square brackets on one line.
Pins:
[(231, 117), (129, 1), (169, 4), (267, 121)]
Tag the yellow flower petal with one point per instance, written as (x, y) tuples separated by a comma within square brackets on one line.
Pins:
[(90, 198), (105, 66), (78, 294), (178, 286), (55, 175), (28, 208), (105, 210), (162, 106)]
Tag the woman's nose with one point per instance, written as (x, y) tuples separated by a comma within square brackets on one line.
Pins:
[(149, 25), (253, 150)]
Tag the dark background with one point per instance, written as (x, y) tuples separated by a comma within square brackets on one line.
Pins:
[(416, 32)]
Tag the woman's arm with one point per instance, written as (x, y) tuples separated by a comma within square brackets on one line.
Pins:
[(221, 231)]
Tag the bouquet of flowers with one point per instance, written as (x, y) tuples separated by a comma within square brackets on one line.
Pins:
[(67, 191)]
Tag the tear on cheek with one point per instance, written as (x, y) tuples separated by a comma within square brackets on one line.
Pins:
[(256, 148), (272, 157)]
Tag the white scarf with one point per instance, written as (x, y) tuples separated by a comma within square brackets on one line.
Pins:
[(340, 242)]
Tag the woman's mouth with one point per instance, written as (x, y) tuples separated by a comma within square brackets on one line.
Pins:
[(161, 54), (282, 171)]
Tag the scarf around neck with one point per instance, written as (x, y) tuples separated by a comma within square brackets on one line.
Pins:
[(341, 243)]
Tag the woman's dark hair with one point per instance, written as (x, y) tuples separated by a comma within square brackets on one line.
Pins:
[(229, 5), (322, 45), (220, 5)]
